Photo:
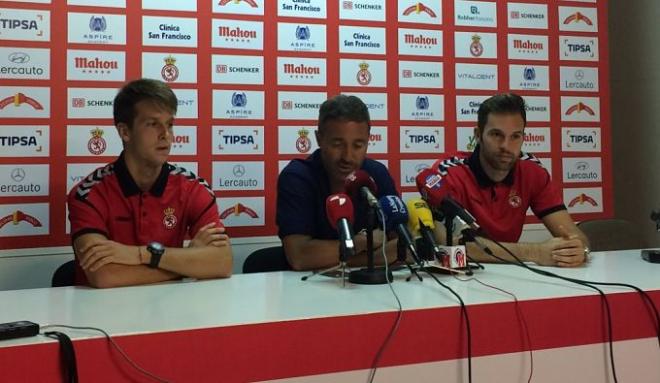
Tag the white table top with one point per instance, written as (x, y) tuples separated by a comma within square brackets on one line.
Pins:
[(282, 296)]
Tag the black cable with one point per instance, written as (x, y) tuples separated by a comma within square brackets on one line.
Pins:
[(576, 281), (467, 321), (519, 312), (395, 326), (67, 356), (115, 345)]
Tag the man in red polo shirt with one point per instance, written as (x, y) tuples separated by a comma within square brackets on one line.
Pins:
[(497, 184), (129, 219)]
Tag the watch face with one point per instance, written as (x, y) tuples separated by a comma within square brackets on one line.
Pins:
[(156, 246)]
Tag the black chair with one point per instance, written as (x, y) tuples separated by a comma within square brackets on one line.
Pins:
[(266, 259), (611, 234), (65, 275)]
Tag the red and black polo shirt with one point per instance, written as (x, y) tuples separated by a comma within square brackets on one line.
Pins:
[(500, 207), (109, 202)]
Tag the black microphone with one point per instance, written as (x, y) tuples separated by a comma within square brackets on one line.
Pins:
[(396, 217), (655, 216), (450, 207)]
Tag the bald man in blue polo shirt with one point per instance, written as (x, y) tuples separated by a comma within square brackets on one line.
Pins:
[(304, 184)]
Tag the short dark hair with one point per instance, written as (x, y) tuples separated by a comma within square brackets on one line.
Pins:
[(123, 109), (343, 108), (504, 103)]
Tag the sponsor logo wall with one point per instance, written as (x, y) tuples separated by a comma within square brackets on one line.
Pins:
[(250, 88)]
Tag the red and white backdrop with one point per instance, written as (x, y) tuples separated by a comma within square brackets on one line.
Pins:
[(250, 76)]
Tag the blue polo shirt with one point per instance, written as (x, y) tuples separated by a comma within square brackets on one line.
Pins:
[(302, 189)]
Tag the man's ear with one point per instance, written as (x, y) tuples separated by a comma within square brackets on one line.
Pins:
[(124, 133), (318, 136), (477, 134)]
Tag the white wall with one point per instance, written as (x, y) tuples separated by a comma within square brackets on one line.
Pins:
[(635, 90)]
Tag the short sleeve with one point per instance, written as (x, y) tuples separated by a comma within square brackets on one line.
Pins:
[(295, 205), (88, 212), (202, 207), (547, 197)]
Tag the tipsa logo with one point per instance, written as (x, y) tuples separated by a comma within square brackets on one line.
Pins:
[(577, 18), (18, 99), (579, 108), (419, 8), (251, 3)]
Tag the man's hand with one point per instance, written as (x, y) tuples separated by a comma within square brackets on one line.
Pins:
[(565, 251), (100, 252), (360, 241), (210, 235)]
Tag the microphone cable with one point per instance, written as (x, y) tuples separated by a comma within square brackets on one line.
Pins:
[(590, 284), (112, 342), (519, 314), (399, 315), (464, 313)]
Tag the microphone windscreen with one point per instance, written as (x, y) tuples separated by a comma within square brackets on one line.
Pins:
[(418, 210), (338, 206), (429, 184), (394, 210), (357, 180)]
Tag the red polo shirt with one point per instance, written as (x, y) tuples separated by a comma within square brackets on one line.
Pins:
[(500, 208), (109, 202)]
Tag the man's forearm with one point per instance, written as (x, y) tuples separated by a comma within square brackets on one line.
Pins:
[(195, 262), (117, 275), (526, 252)]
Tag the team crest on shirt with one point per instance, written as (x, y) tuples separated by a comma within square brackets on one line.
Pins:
[(514, 199), (169, 221)]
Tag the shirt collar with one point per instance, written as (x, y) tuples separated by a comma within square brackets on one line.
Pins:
[(127, 183), (480, 173)]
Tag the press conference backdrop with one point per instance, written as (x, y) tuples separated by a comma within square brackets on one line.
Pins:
[(250, 76)]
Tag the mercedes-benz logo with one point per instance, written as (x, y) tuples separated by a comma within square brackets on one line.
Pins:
[(239, 171), (18, 174), (579, 74)]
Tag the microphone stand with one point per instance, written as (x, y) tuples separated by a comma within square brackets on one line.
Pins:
[(343, 256), (370, 275), (449, 227), (402, 257)]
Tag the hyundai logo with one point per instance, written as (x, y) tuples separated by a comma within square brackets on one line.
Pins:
[(19, 58)]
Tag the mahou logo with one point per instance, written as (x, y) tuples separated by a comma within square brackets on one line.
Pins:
[(96, 65)]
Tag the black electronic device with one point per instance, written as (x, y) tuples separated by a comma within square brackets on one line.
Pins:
[(652, 256), (19, 329)]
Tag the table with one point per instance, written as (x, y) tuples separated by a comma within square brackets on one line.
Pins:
[(270, 326)]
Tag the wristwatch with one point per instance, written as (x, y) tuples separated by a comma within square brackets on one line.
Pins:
[(156, 250)]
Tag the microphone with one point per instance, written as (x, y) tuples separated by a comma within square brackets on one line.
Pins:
[(360, 183), (655, 215), (339, 209), (421, 221), (396, 216), (429, 183)]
